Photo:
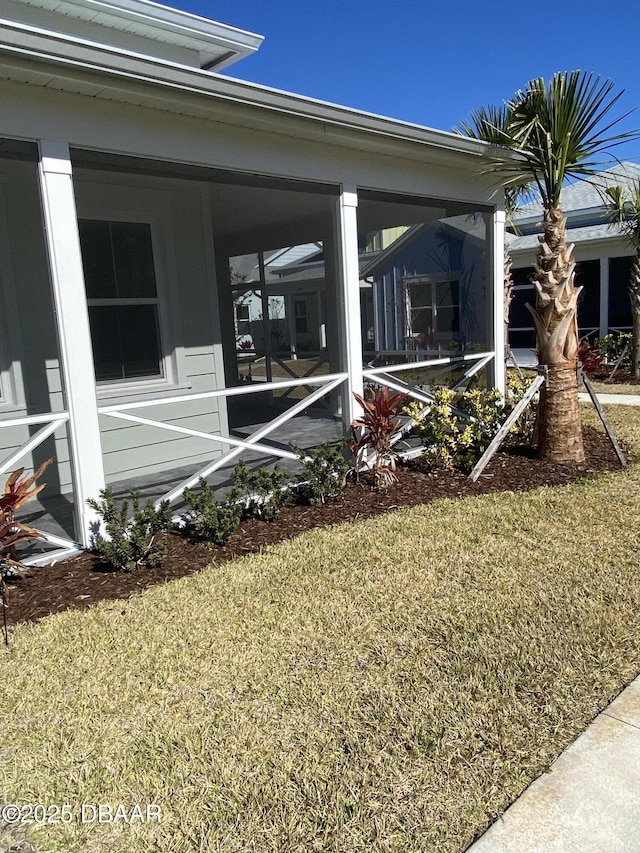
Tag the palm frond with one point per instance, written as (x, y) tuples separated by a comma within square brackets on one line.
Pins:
[(492, 124), (559, 128), (622, 206), (563, 126)]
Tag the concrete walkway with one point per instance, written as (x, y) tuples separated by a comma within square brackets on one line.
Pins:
[(608, 399), (589, 801)]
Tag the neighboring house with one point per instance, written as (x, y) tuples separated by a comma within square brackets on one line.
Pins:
[(132, 173), (429, 288), (603, 261), (269, 315)]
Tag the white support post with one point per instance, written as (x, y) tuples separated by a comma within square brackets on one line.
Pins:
[(349, 300), (266, 320), (74, 337), (495, 296), (322, 324)]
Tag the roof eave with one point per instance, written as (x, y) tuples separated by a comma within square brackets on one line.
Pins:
[(69, 53)]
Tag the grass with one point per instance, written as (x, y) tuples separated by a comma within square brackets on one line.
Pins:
[(298, 367), (612, 388), (386, 685)]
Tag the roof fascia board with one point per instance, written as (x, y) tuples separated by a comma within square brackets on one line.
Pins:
[(174, 79), (171, 25), (580, 245), (158, 16), (570, 214)]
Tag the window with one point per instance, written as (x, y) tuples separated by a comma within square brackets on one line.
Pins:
[(619, 302), (243, 318), (588, 276), (12, 395), (300, 314), (122, 298), (432, 312)]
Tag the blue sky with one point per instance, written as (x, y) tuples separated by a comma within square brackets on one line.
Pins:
[(432, 62)]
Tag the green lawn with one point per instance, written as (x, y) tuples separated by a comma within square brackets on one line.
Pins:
[(620, 388), (386, 685)]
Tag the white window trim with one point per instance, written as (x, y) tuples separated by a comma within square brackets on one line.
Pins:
[(152, 207), (12, 396), (432, 280)]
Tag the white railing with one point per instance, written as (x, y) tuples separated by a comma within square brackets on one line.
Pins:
[(52, 421), (381, 376), (253, 442), (384, 375)]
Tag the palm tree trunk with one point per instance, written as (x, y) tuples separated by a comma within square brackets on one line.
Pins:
[(508, 296), (634, 296), (555, 319)]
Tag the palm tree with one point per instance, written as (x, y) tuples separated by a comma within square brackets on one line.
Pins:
[(623, 209), (559, 127)]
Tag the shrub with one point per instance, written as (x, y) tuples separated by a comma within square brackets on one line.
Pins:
[(210, 520), (17, 491), (613, 345), (591, 357), (325, 472), (261, 494), (373, 433), (458, 438), (134, 541)]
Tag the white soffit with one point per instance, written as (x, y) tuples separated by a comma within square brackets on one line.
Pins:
[(216, 45), (50, 57)]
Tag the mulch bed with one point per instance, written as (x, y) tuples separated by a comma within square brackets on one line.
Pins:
[(83, 580), (622, 376)]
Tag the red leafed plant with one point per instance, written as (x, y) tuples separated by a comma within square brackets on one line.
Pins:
[(17, 491), (591, 358), (372, 434)]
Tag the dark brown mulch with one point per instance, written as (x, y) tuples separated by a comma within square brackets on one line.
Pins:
[(83, 580), (622, 376)]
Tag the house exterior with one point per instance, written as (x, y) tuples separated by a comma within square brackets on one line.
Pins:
[(602, 254), (132, 173)]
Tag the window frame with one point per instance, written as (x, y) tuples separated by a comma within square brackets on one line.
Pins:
[(126, 301), (299, 302), (12, 393), (154, 210), (441, 336)]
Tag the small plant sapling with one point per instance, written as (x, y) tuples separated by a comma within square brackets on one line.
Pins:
[(590, 357), (17, 491), (373, 434), (261, 494), (209, 519), (325, 471), (131, 541)]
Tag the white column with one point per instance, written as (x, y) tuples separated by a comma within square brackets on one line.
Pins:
[(322, 326), (72, 322), (266, 320), (495, 296), (290, 315), (349, 299)]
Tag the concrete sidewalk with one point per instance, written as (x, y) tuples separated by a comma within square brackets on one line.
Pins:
[(607, 399), (589, 801)]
